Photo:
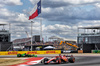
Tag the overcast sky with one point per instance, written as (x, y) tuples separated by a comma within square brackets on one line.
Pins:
[(59, 17)]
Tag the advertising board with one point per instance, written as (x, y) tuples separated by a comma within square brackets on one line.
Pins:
[(30, 52)]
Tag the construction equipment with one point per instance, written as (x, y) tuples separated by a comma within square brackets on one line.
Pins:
[(76, 47), (27, 34)]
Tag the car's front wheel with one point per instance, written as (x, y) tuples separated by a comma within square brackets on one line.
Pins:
[(18, 55), (59, 61), (45, 61)]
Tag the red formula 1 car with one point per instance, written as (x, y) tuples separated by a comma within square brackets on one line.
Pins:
[(60, 59)]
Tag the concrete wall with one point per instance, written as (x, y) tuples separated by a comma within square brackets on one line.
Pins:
[(5, 45), (87, 47)]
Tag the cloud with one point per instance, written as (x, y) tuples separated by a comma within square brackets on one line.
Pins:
[(54, 3), (62, 30), (10, 2), (57, 29), (34, 1), (86, 23), (68, 31), (19, 22), (81, 1), (64, 3), (11, 17), (22, 17), (70, 14), (70, 10)]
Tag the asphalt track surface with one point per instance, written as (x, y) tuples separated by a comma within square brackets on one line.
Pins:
[(79, 61)]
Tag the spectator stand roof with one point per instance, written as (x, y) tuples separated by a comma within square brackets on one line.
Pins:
[(2, 24), (91, 27), (54, 37)]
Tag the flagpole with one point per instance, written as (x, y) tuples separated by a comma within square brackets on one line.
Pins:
[(41, 21), (33, 15), (41, 28), (31, 35)]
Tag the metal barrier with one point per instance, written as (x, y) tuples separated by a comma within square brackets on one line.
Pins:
[(69, 51)]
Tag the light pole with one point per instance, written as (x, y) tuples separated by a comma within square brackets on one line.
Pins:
[(41, 29), (31, 35)]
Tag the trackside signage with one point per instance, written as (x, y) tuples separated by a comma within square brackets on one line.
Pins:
[(30, 52), (95, 51)]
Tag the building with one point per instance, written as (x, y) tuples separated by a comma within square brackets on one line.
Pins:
[(4, 36), (5, 43), (89, 38)]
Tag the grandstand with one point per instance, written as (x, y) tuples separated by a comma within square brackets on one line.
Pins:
[(26, 42), (23, 41)]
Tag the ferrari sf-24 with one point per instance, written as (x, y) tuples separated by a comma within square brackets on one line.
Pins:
[(60, 59)]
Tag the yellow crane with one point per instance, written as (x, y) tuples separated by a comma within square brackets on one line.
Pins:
[(75, 46)]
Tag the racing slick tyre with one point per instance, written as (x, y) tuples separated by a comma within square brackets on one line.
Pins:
[(45, 60), (29, 55), (71, 59), (18, 55), (59, 61)]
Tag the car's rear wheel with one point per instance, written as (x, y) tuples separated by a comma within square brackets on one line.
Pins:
[(71, 59)]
